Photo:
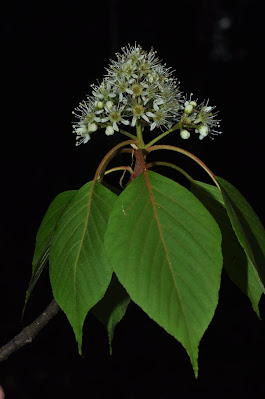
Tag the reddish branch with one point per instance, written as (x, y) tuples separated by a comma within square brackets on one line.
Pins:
[(29, 333), (139, 165)]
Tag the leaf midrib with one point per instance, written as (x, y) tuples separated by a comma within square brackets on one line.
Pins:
[(166, 253), (83, 235)]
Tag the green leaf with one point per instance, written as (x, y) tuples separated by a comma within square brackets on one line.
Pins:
[(247, 227), (236, 263), (79, 269), (114, 189), (112, 307), (165, 249), (41, 253)]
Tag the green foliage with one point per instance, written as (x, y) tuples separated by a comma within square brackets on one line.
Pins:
[(237, 264), (155, 243), (172, 248), (79, 269), (45, 232), (112, 307), (247, 226)]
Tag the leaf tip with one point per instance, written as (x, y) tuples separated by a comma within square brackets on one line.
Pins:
[(80, 347)]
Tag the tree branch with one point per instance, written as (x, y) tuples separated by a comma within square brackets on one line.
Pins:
[(28, 333)]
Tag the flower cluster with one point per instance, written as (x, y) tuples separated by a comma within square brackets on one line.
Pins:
[(200, 117), (138, 88)]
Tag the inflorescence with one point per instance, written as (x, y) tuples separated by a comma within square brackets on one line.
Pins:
[(139, 88)]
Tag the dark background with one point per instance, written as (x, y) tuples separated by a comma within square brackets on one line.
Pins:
[(50, 56)]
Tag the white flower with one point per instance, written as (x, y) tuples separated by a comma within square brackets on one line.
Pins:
[(114, 115), (82, 134), (104, 91), (158, 101), (159, 119), (81, 129), (139, 112), (109, 105), (82, 140)]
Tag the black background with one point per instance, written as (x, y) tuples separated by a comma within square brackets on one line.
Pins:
[(51, 53)]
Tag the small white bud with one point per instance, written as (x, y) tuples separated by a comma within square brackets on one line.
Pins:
[(203, 130), (188, 109), (92, 128), (184, 134), (193, 103), (100, 105), (109, 131)]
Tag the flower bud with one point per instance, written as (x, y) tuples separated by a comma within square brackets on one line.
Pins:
[(109, 131), (184, 134), (100, 105), (92, 128), (188, 109)]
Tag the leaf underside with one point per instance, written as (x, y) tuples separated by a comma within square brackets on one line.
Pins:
[(247, 227), (112, 307), (45, 231), (165, 249), (236, 262)]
